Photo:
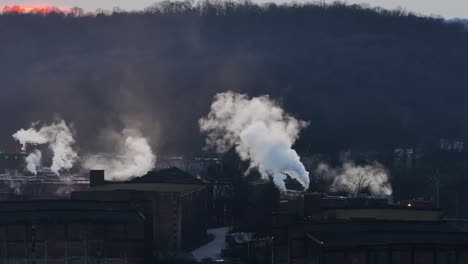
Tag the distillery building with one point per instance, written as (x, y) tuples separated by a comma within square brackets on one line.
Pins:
[(65, 231), (173, 202), (340, 230)]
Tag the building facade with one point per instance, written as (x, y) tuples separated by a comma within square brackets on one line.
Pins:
[(329, 230), (176, 213), (64, 231)]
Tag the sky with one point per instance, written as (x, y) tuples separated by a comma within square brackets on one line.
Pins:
[(444, 8)]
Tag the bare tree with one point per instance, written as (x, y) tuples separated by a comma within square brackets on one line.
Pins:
[(76, 11), (357, 183)]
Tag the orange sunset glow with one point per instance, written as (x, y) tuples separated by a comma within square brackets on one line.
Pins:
[(31, 9)]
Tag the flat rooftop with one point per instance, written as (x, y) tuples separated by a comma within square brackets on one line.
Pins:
[(68, 211), (148, 187), (348, 234)]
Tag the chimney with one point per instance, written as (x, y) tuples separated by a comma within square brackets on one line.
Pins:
[(96, 178)]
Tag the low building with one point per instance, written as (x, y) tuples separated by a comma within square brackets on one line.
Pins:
[(65, 231), (39, 187), (173, 202), (371, 233), (12, 162)]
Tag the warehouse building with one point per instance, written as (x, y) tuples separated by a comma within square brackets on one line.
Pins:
[(65, 231), (12, 162), (330, 230), (173, 202)]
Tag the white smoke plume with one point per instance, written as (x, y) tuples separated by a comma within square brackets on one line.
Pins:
[(134, 157), (33, 160), (16, 186), (261, 133), (64, 191), (356, 179), (60, 139), (30, 136)]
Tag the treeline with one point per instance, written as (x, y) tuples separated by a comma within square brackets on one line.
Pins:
[(364, 77)]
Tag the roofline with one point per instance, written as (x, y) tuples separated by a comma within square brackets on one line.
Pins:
[(362, 220), (381, 207), (102, 188), (425, 244), (39, 201), (325, 246)]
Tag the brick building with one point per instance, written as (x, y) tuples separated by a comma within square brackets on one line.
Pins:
[(173, 202), (347, 232), (64, 231)]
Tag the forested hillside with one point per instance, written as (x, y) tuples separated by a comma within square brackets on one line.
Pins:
[(363, 77)]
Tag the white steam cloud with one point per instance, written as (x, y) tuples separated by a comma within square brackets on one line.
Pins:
[(357, 179), (260, 131), (134, 157), (16, 186), (33, 161), (60, 139)]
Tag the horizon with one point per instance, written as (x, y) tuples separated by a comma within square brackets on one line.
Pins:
[(451, 9)]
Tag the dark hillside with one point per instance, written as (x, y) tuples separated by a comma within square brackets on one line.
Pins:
[(363, 77)]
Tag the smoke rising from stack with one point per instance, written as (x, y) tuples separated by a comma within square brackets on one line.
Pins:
[(261, 133), (60, 140), (355, 179), (16, 187), (134, 157), (33, 161)]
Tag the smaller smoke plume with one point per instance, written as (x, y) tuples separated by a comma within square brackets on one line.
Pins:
[(60, 139), (64, 191), (30, 136), (261, 133), (357, 179), (134, 157), (16, 187), (33, 161)]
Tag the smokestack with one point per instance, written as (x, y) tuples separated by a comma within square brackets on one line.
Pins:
[(96, 178)]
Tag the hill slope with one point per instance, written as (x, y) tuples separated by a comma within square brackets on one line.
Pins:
[(363, 77)]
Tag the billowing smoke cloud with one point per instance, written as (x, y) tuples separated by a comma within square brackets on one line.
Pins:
[(33, 161), (60, 139), (261, 133), (357, 179), (134, 157), (31, 136)]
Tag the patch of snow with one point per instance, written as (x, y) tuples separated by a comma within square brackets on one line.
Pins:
[(212, 249)]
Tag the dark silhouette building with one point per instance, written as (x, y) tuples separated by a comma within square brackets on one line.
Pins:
[(111, 222), (369, 233), (173, 202), (65, 231), (12, 162)]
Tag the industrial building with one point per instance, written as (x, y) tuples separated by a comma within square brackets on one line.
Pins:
[(333, 230), (65, 231), (16, 183), (40, 187), (173, 202), (162, 213), (12, 162)]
